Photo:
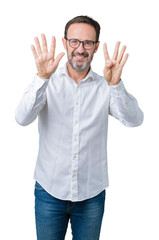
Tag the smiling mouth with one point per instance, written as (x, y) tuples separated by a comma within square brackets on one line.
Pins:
[(79, 56)]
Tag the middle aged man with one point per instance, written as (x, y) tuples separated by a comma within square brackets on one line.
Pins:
[(72, 104)]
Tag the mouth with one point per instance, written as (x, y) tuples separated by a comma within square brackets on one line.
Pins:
[(79, 56)]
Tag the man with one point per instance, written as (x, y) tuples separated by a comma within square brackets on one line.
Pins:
[(72, 104)]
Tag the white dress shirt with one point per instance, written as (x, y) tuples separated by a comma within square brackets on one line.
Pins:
[(73, 122)]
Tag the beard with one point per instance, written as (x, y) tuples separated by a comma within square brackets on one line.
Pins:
[(81, 67)]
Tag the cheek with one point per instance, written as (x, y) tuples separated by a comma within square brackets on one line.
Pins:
[(91, 54), (69, 52)]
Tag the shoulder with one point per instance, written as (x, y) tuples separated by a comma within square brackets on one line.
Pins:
[(58, 73), (57, 77), (100, 80)]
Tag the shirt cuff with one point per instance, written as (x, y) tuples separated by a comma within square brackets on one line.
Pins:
[(40, 83), (42, 80), (118, 89)]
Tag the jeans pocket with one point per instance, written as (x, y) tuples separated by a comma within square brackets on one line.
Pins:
[(38, 186)]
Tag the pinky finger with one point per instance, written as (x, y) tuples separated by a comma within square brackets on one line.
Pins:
[(124, 60), (34, 51)]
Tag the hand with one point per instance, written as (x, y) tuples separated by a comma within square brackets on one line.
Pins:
[(113, 67), (45, 62)]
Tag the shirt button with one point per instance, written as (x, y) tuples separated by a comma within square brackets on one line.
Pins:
[(77, 103), (74, 175), (75, 156), (118, 88), (75, 139), (76, 121)]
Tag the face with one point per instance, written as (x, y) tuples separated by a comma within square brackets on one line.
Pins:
[(79, 58)]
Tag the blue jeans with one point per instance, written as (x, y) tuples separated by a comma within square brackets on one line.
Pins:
[(52, 216)]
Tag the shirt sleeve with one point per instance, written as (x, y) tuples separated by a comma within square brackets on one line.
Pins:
[(32, 102), (124, 106)]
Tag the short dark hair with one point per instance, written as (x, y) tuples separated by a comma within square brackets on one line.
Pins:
[(84, 19)]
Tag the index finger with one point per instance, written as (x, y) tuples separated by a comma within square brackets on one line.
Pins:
[(106, 54), (34, 51), (116, 50)]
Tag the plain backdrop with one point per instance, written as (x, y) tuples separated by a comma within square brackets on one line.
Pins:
[(132, 198)]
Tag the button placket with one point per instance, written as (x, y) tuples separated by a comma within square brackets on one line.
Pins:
[(75, 144)]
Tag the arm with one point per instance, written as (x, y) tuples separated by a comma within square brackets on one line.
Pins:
[(34, 97), (32, 102), (123, 105)]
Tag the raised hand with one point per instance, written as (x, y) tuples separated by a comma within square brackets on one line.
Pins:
[(114, 66), (45, 62)]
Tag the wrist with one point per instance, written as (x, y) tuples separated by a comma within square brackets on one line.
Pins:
[(44, 76), (114, 84)]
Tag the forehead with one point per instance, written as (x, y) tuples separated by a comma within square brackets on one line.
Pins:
[(81, 31)]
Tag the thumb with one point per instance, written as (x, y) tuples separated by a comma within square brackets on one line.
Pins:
[(58, 58), (109, 64)]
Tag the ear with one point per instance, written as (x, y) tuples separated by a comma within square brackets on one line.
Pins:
[(96, 48), (64, 42)]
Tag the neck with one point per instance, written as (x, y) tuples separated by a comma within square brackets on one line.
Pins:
[(77, 76)]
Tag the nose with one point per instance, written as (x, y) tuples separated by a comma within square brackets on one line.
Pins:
[(81, 48)]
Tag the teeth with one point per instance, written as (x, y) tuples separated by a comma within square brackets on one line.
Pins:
[(79, 56)]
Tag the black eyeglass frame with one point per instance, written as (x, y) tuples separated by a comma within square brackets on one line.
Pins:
[(83, 43)]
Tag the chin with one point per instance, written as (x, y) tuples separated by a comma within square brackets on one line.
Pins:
[(79, 66)]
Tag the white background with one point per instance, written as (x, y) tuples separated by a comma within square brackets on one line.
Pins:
[(132, 201)]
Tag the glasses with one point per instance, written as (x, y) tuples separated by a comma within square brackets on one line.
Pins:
[(87, 44)]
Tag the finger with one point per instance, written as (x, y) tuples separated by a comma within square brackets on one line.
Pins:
[(34, 51), (53, 46), (38, 45), (58, 58), (44, 43), (106, 54), (116, 50), (108, 64), (121, 54), (124, 60)]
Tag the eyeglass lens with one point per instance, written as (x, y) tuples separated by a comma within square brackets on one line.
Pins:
[(86, 44)]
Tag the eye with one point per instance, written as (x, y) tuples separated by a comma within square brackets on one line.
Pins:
[(88, 43), (74, 42)]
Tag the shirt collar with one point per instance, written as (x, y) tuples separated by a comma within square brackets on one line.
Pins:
[(89, 76)]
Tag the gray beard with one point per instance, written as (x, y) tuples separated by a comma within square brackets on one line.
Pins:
[(80, 68)]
